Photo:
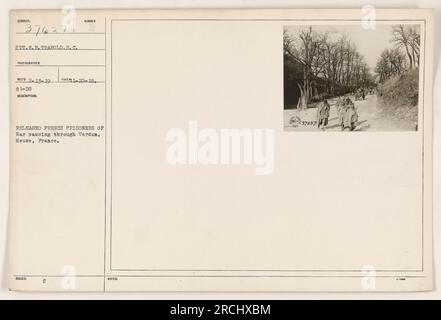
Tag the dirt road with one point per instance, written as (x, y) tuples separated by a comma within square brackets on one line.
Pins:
[(370, 118)]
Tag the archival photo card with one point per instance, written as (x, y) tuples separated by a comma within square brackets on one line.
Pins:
[(183, 150), (356, 77)]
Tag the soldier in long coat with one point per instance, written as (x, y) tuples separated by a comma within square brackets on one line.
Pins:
[(349, 116), (323, 114)]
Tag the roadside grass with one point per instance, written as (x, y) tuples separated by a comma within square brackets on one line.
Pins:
[(398, 96)]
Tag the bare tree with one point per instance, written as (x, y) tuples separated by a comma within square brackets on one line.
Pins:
[(405, 55), (407, 37), (392, 62), (336, 63)]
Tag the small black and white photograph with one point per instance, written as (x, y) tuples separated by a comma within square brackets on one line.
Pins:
[(351, 78)]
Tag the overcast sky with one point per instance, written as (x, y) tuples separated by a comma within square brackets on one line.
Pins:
[(370, 43)]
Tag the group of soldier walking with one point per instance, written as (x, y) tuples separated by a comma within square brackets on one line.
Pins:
[(347, 115)]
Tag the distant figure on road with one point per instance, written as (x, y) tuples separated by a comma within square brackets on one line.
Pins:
[(360, 94), (323, 114)]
